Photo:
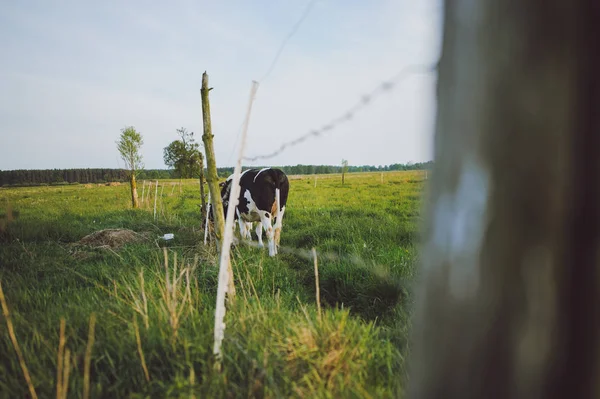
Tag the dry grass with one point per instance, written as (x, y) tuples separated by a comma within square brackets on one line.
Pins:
[(324, 356), (13, 338), (317, 288), (111, 238), (175, 293), (140, 350), (88, 357)]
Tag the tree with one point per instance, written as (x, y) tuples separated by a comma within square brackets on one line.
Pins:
[(344, 169), (129, 145), (184, 155)]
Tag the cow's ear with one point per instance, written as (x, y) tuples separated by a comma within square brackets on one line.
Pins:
[(221, 184)]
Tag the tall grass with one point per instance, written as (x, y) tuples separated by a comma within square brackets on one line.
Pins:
[(138, 321)]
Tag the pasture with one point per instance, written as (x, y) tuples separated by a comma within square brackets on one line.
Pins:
[(154, 316)]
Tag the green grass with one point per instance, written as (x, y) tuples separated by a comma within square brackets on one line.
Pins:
[(275, 344)]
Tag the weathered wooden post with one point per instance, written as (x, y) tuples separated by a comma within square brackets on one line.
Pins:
[(207, 223), (507, 305), (213, 179), (203, 221), (143, 191), (155, 198), (148, 194), (162, 199)]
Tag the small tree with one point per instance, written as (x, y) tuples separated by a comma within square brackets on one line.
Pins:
[(344, 169), (184, 155), (129, 145)]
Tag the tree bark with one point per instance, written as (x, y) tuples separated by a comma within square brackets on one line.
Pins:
[(507, 303), (134, 195)]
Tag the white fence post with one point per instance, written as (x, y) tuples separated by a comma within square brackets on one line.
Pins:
[(228, 236)]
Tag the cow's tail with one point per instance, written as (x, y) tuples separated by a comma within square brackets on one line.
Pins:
[(278, 201)]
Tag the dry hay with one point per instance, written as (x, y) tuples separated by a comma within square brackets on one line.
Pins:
[(88, 186), (113, 183), (111, 238)]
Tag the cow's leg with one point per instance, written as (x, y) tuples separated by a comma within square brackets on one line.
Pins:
[(249, 231), (244, 229), (265, 218), (259, 229)]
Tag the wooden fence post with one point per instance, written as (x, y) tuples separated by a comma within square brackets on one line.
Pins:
[(162, 200), (508, 300), (148, 194), (206, 224), (143, 191), (202, 199), (212, 179), (155, 198)]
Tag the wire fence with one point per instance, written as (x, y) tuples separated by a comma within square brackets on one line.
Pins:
[(365, 101)]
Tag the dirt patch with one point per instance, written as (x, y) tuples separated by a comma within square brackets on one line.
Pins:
[(111, 238)]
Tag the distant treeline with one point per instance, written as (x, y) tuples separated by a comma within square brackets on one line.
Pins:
[(324, 169), (37, 177)]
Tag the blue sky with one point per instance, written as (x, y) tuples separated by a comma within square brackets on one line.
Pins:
[(73, 73)]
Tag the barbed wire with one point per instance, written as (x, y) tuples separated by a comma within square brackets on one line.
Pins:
[(365, 101), (292, 32)]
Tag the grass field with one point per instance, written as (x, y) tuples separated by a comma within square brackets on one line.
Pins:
[(152, 333)]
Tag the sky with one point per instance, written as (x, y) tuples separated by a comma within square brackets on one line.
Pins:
[(74, 73)]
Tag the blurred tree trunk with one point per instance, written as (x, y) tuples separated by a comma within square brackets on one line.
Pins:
[(507, 303)]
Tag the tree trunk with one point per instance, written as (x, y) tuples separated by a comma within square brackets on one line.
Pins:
[(507, 305), (134, 196), (212, 178)]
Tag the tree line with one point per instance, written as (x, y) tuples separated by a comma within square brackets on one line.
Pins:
[(325, 169), (36, 177)]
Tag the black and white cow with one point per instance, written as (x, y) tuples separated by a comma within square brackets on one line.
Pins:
[(262, 199)]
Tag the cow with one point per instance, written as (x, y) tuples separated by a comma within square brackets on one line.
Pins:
[(263, 197)]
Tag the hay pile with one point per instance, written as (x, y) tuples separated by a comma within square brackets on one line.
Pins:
[(113, 184), (111, 238)]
